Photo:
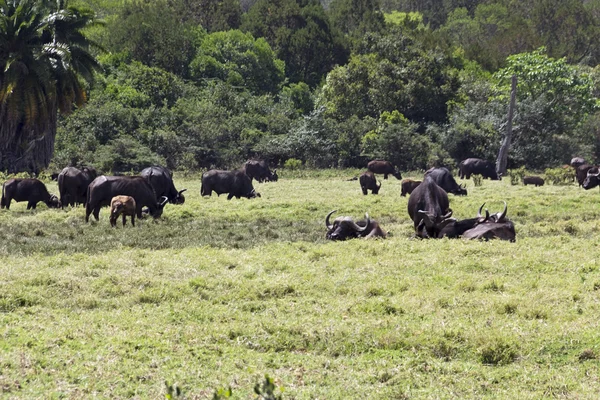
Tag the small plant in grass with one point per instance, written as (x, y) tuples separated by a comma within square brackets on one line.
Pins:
[(266, 391), (498, 351), (173, 391), (516, 175), (477, 180), (221, 394)]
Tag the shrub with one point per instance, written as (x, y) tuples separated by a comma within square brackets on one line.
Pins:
[(292, 164), (498, 351), (560, 175), (516, 175), (477, 180)]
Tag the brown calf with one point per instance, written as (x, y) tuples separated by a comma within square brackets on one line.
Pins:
[(122, 205)]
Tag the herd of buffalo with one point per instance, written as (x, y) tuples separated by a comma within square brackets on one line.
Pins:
[(149, 192)]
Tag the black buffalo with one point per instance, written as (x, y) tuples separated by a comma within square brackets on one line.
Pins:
[(345, 228), (496, 227), (259, 170), (368, 182), (161, 180), (582, 172), (576, 162), (458, 228), (592, 178), (533, 180), (31, 190), (73, 183), (444, 179), (383, 167), (429, 208), (236, 183), (477, 166), (102, 189), (408, 185)]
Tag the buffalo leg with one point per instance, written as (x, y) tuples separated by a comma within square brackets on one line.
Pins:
[(97, 213), (6, 202), (124, 218), (133, 220), (230, 196), (364, 190), (385, 176)]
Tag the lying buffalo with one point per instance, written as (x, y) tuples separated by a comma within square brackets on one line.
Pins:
[(408, 185), (236, 183), (477, 166), (533, 180), (456, 229), (429, 208), (592, 178), (444, 179), (259, 170), (383, 167), (73, 183), (161, 180), (102, 189), (496, 227), (30, 190), (345, 228), (369, 182)]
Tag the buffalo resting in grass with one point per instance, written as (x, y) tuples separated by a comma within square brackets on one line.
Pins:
[(497, 226), (73, 183), (429, 208), (236, 183), (344, 228), (102, 189), (31, 190), (477, 166), (369, 182), (457, 228), (259, 170), (383, 167), (161, 180), (444, 179)]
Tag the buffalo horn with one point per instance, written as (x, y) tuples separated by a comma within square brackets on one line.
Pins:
[(357, 228), (479, 212), (163, 200), (327, 224), (501, 218), (592, 174), (379, 187), (181, 191)]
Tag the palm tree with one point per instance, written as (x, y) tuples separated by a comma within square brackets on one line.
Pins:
[(45, 60)]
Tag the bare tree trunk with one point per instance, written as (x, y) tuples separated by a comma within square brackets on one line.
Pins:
[(502, 159)]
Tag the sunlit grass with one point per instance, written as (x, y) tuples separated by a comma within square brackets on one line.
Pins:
[(218, 293)]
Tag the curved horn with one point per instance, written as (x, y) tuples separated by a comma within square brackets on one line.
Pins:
[(163, 200), (379, 187), (448, 214), (479, 212), (501, 217), (327, 224), (181, 191), (357, 228)]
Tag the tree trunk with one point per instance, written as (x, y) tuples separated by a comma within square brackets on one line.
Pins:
[(502, 159), (25, 149)]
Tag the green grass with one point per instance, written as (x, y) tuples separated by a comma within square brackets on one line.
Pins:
[(219, 293)]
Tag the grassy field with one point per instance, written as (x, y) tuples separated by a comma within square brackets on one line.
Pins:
[(219, 293)]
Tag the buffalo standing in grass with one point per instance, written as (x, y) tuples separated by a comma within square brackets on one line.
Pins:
[(236, 183), (533, 180), (383, 167), (259, 170), (31, 190), (369, 182), (161, 180), (497, 226), (444, 179), (477, 166), (102, 189), (344, 228), (429, 208), (408, 185), (73, 183)]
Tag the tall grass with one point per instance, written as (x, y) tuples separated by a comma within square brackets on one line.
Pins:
[(219, 293)]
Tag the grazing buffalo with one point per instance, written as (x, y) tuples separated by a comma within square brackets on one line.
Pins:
[(102, 189), (576, 162), (259, 170), (383, 167), (444, 179), (477, 166), (236, 183), (533, 180), (496, 227), (408, 185), (581, 173), (161, 180), (429, 208), (345, 228), (31, 190), (122, 205), (368, 182), (73, 183), (592, 179), (458, 228)]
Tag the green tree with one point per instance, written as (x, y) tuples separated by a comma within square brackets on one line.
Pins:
[(357, 17), (212, 15), (301, 35), (240, 60), (44, 60)]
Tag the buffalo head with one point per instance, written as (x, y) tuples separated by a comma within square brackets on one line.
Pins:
[(274, 177), (180, 198), (54, 202), (432, 224), (592, 179), (158, 210), (345, 228)]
